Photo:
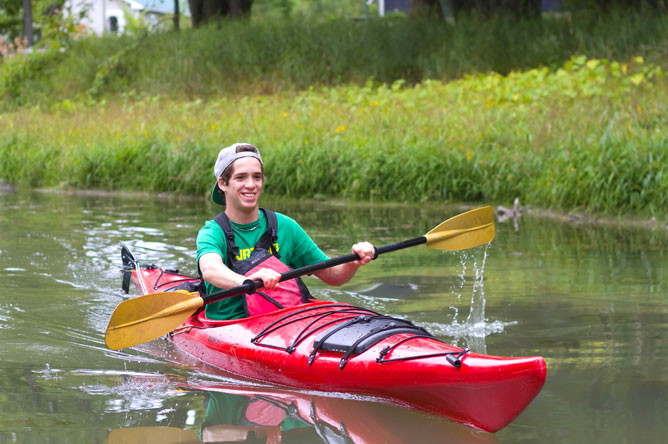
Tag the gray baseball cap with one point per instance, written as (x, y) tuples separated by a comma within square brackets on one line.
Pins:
[(226, 157)]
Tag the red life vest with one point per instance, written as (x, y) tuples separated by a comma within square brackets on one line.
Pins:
[(288, 293)]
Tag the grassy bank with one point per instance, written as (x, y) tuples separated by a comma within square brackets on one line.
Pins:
[(266, 56), (591, 135)]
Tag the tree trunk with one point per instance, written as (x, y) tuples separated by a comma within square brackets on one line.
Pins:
[(490, 8), (426, 8), (27, 23), (177, 14), (459, 7), (202, 11), (528, 8)]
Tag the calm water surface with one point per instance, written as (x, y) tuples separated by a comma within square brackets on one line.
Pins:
[(592, 301)]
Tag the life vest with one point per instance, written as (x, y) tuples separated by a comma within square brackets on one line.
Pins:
[(288, 293)]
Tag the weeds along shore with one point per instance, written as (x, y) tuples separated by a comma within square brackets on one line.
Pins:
[(581, 132), (590, 135), (265, 56)]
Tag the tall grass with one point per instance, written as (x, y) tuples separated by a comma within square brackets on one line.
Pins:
[(265, 56), (590, 135)]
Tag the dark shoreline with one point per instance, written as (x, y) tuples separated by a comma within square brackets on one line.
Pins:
[(572, 217)]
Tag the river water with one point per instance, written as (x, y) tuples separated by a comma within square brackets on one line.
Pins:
[(591, 300)]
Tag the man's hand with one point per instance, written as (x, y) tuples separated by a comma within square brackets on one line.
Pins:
[(269, 277), (365, 251)]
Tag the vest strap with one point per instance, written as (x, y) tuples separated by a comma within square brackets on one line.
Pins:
[(267, 240)]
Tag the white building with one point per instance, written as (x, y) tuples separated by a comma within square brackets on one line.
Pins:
[(109, 15)]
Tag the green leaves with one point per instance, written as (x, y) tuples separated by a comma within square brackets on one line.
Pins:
[(583, 135)]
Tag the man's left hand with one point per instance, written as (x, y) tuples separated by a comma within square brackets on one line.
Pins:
[(366, 252)]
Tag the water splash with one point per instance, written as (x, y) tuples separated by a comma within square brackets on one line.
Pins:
[(49, 374), (472, 331), (477, 311)]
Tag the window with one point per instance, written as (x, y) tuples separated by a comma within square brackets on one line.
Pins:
[(113, 24)]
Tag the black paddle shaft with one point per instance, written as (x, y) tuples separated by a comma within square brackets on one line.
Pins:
[(250, 286)]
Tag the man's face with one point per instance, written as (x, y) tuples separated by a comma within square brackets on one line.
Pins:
[(245, 185)]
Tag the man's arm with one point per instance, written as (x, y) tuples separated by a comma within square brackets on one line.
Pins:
[(341, 274)]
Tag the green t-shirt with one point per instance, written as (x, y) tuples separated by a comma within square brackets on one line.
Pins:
[(294, 246)]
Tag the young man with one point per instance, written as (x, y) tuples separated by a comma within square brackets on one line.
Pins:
[(239, 173)]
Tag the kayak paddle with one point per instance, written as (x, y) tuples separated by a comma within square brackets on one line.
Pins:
[(163, 434), (150, 316)]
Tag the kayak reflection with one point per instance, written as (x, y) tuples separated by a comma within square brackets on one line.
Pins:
[(270, 416), (237, 418)]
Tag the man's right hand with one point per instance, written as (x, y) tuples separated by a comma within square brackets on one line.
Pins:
[(269, 277)]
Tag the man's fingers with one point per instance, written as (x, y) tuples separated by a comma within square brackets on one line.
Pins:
[(365, 251)]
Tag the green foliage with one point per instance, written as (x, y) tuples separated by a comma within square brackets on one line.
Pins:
[(55, 28), (59, 29), (374, 109), (11, 18), (112, 73), (264, 55), (307, 10), (135, 25), (589, 135), (27, 75)]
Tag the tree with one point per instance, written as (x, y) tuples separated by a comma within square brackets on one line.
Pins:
[(11, 23), (17, 17), (27, 23), (489, 8), (204, 11), (431, 8), (605, 5), (532, 8), (177, 15)]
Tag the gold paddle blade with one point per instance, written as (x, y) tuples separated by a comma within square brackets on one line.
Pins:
[(466, 230), (147, 317), (152, 435)]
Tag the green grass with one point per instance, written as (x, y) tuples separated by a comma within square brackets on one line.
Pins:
[(266, 56), (591, 135)]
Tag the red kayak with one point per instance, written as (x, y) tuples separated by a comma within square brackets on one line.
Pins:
[(332, 347)]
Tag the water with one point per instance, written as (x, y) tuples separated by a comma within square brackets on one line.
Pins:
[(591, 300)]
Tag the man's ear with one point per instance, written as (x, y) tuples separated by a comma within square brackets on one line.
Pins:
[(222, 184)]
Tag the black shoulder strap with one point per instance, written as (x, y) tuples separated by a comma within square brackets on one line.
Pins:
[(266, 242), (270, 236), (232, 250)]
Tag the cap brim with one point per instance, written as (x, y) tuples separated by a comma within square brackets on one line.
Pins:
[(216, 195)]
